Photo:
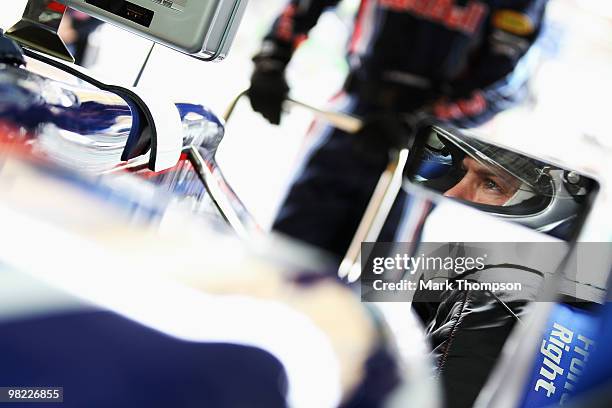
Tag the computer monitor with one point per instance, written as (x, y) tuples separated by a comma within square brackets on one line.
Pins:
[(203, 29)]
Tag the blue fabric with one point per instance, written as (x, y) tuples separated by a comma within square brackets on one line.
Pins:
[(599, 371), (103, 360), (564, 350)]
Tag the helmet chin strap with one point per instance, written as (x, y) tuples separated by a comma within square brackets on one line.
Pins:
[(523, 193)]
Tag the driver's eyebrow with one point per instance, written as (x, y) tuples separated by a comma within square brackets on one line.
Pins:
[(488, 173), (484, 171), (478, 168)]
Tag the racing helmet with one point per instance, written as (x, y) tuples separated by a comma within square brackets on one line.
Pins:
[(504, 183)]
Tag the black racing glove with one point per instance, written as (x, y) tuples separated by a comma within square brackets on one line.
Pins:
[(382, 132), (387, 131), (269, 88)]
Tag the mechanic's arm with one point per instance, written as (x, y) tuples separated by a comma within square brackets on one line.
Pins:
[(291, 28), (268, 86), (497, 78)]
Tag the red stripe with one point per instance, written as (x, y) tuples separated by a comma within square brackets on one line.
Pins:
[(358, 25), (284, 30), (461, 108)]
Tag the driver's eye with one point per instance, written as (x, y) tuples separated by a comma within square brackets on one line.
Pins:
[(492, 185)]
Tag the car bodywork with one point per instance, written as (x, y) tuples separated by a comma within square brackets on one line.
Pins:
[(78, 125), (97, 238)]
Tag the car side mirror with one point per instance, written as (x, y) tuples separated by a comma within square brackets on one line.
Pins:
[(546, 197)]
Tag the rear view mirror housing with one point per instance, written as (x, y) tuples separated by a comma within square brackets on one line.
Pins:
[(546, 197)]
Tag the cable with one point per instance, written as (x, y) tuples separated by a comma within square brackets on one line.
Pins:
[(144, 65)]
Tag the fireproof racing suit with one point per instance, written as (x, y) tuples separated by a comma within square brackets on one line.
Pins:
[(461, 61)]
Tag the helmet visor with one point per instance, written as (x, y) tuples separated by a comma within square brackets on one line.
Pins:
[(471, 170)]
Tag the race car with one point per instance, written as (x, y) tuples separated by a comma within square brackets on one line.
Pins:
[(117, 291)]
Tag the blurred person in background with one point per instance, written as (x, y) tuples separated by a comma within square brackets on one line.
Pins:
[(75, 30), (455, 61)]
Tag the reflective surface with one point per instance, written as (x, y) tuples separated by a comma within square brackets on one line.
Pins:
[(543, 196), (78, 126), (70, 122), (38, 28)]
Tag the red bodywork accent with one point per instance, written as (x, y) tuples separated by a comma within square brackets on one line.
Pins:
[(14, 142), (57, 7), (149, 174)]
